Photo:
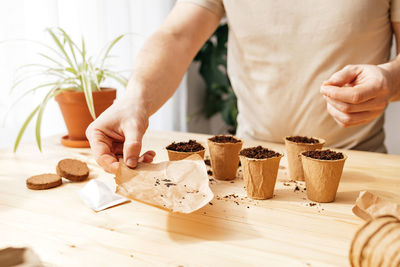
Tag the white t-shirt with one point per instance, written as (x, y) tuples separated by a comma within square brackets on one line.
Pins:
[(280, 52)]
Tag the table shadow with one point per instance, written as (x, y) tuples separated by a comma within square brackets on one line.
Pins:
[(210, 223), (356, 177), (346, 197)]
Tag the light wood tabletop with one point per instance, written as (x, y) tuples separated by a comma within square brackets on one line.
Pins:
[(232, 231)]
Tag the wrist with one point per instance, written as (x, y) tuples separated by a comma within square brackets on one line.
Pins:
[(392, 69), (134, 96)]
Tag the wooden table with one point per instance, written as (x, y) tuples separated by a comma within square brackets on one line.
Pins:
[(283, 231)]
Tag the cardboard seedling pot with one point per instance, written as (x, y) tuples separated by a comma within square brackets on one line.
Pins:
[(322, 178), (224, 159), (178, 155), (260, 176), (293, 151)]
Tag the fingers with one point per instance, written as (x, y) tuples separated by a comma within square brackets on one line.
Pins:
[(132, 145), (375, 104), (147, 157), (118, 148), (351, 95), (352, 119), (108, 163), (345, 76), (101, 146)]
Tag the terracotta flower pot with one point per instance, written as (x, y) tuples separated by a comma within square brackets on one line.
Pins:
[(77, 116)]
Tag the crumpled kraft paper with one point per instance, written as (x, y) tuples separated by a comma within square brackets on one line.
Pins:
[(369, 206), (178, 186)]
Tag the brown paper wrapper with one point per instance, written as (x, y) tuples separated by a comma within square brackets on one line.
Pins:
[(178, 186), (293, 151), (224, 159), (260, 176), (177, 155), (322, 178), (369, 206)]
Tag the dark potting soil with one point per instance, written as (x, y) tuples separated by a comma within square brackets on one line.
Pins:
[(207, 162), (191, 146), (224, 139), (323, 154), (259, 152), (303, 139)]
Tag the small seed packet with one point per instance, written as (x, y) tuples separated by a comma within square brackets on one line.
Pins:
[(177, 186), (98, 196)]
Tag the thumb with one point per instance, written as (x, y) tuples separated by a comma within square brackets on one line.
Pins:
[(345, 76), (132, 145)]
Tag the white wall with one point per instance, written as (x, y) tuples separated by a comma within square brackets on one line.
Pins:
[(392, 128), (99, 21)]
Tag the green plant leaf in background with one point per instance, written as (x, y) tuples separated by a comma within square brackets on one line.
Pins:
[(23, 128), (220, 97), (39, 117)]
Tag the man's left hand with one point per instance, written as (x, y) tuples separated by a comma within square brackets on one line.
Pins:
[(357, 94)]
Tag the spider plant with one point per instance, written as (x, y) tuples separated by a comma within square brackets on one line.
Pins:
[(68, 67)]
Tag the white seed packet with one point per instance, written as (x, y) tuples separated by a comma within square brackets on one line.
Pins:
[(98, 196), (177, 186)]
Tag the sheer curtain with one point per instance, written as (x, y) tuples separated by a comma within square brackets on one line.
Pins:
[(98, 21)]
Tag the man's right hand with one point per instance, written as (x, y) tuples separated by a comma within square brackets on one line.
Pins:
[(158, 70), (118, 133)]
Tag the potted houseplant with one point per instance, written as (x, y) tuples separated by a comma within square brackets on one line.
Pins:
[(75, 82), (219, 97)]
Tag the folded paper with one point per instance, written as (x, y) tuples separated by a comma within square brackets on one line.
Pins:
[(178, 186), (369, 206), (98, 196)]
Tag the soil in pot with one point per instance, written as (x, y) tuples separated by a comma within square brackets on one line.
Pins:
[(260, 169), (224, 156), (324, 154), (181, 150), (303, 139), (224, 139), (259, 152), (295, 145), (322, 171)]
